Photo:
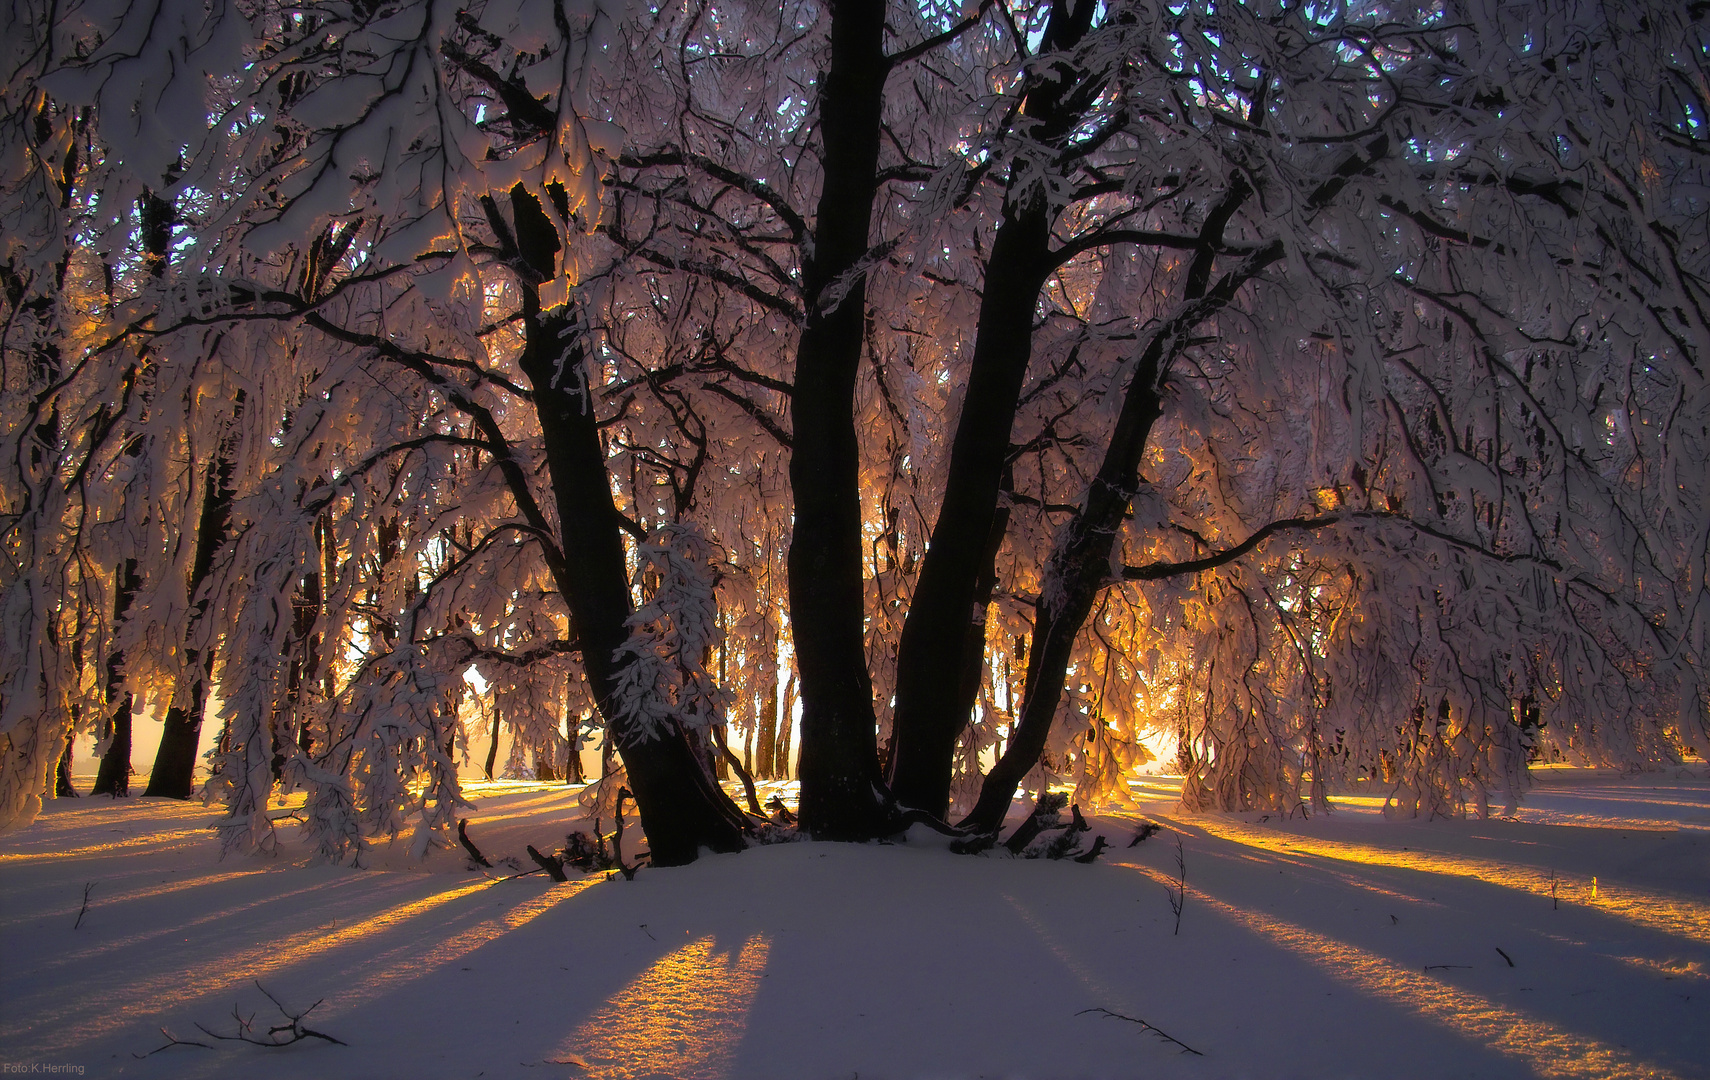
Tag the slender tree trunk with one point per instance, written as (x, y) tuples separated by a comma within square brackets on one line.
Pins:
[(1078, 570), (493, 749), (932, 706), (766, 765), (173, 775), (1079, 565), (748, 749), (113, 776), (843, 795), (305, 661), (573, 773), (62, 788), (786, 725)]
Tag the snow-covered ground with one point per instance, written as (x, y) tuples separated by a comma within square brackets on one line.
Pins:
[(1570, 941)]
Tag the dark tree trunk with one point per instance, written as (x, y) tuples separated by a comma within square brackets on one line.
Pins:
[(113, 776), (62, 788), (843, 795), (933, 705), (1079, 569), (305, 663), (682, 809), (545, 764), (1079, 566), (720, 766), (573, 773), (493, 749), (174, 772)]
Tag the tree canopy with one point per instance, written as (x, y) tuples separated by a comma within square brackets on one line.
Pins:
[(1315, 390)]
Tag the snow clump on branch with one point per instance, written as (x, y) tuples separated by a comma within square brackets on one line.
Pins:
[(670, 636)]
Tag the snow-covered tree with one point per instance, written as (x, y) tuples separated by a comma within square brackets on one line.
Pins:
[(1317, 389)]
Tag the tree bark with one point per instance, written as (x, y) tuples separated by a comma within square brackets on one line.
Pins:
[(573, 773), (843, 795), (786, 725), (932, 705), (305, 660), (1079, 569)]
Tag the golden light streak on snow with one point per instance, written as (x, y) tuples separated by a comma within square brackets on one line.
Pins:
[(170, 988), (159, 838), (411, 961), (265, 959), (103, 897), (682, 1017), (1671, 914), (1671, 968), (1550, 1051), (211, 917)]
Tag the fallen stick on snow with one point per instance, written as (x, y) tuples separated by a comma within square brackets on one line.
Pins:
[(1171, 1039)]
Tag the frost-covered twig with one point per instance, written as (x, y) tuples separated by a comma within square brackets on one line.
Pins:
[(1178, 891), (1171, 1039), (80, 911)]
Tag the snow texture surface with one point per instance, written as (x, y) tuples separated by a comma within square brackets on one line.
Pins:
[(1570, 941)]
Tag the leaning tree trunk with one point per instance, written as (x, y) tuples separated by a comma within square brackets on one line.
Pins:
[(932, 708), (1079, 565), (843, 795), (682, 809), (1078, 570)]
